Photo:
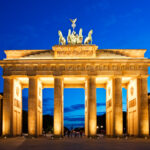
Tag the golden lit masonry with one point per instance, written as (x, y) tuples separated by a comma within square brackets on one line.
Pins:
[(76, 65), (108, 68)]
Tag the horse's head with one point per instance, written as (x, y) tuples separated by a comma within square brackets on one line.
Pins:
[(59, 33), (69, 32), (80, 32), (91, 32)]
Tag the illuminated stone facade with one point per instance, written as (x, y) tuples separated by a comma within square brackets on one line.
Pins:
[(76, 66), (1, 107)]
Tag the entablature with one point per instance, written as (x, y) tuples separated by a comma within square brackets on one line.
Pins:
[(76, 69)]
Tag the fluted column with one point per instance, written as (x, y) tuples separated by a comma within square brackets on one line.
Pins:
[(34, 107), (90, 107), (8, 107), (58, 107), (143, 107), (117, 104), (114, 115)]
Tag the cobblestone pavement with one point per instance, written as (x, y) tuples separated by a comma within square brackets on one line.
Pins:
[(21, 143)]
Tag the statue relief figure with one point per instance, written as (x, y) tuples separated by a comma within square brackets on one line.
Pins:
[(73, 21), (80, 37), (69, 36), (89, 38), (73, 38), (61, 38)]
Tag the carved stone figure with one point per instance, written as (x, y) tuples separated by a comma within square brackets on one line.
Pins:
[(69, 36), (73, 23), (80, 37), (74, 37), (61, 38), (89, 38)]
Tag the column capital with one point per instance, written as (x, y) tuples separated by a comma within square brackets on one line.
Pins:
[(33, 77), (58, 77), (91, 76)]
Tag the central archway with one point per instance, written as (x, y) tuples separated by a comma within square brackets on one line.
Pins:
[(74, 108)]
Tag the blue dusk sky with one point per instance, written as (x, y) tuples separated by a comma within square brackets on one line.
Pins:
[(34, 24)]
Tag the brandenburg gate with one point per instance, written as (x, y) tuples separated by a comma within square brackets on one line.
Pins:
[(76, 65)]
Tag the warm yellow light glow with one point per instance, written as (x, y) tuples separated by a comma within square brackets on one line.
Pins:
[(101, 80), (74, 78), (23, 80), (126, 79), (47, 80), (119, 127), (92, 127), (57, 126), (145, 127)]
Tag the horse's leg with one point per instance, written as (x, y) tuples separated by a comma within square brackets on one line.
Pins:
[(59, 41)]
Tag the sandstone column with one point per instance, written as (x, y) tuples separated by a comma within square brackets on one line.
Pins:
[(39, 109), (90, 107), (58, 107), (114, 115), (12, 107), (1, 108), (143, 108), (149, 111), (127, 116), (34, 107), (8, 107)]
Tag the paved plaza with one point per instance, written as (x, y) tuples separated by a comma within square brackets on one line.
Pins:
[(21, 143)]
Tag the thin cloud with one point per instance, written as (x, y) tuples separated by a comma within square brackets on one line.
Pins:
[(74, 119), (74, 108)]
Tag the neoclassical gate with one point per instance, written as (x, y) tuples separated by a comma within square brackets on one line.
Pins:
[(70, 66), (76, 65)]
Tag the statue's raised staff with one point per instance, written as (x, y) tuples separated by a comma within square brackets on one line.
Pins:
[(62, 40), (89, 38)]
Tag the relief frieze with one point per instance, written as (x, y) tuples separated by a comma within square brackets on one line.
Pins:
[(72, 68), (75, 53)]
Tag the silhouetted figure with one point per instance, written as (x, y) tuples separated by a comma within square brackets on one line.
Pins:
[(75, 134), (80, 133)]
